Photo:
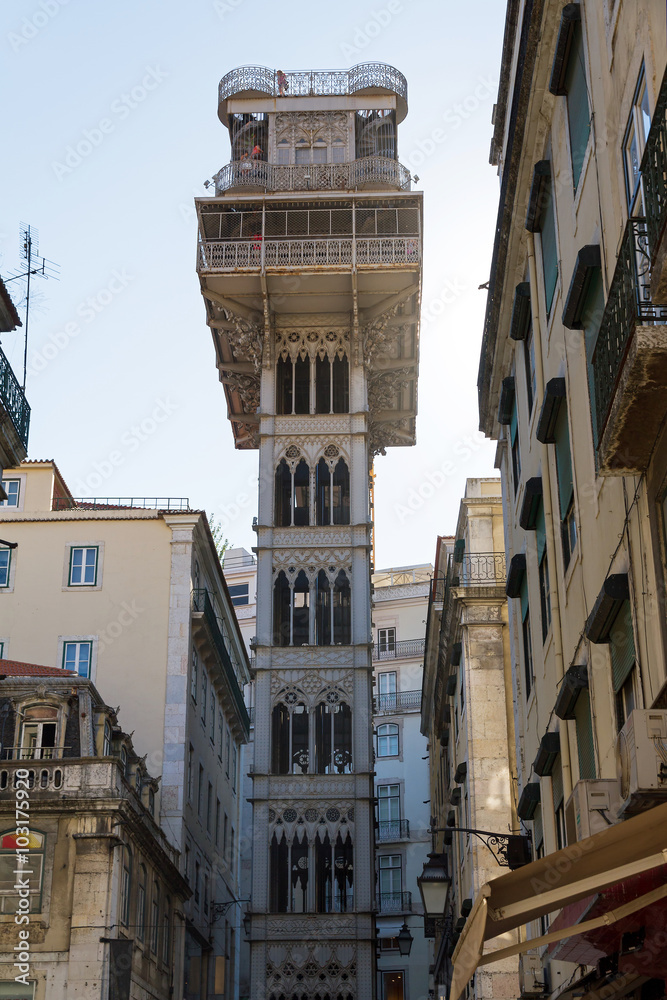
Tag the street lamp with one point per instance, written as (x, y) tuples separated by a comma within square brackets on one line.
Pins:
[(405, 939), (434, 884)]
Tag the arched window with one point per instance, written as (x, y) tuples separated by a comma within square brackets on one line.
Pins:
[(290, 737), (35, 843), (387, 740), (289, 876), (125, 885), (106, 742), (38, 733), (155, 917), (166, 931), (301, 610), (334, 874), (141, 902), (307, 386), (301, 495), (281, 611), (283, 497), (341, 610), (333, 738), (332, 492), (292, 495), (323, 610)]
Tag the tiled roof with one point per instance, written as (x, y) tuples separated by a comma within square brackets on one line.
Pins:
[(15, 668)]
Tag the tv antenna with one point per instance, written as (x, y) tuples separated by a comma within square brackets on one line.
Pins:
[(34, 264)]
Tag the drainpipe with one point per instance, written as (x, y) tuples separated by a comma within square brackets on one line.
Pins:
[(548, 514)]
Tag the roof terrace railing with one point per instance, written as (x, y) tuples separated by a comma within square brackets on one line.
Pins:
[(121, 503), (308, 83)]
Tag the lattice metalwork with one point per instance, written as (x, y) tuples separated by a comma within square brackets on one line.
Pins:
[(654, 172), (628, 303), (378, 170), (364, 76)]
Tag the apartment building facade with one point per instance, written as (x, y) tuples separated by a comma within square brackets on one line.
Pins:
[(400, 602), (95, 908), (130, 594), (467, 715), (309, 261), (571, 385)]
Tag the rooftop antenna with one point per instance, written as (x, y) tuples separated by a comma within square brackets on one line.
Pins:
[(34, 264)]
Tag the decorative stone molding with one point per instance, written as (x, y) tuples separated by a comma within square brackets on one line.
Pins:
[(312, 449), (312, 683), (388, 433), (312, 343), (311, 126), (315, 537), (246, 385), (306, 426), (305, 819), (311, 786), (385, 387), (311, 561), (313, 656)]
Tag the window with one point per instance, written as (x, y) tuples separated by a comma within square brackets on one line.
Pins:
[(228, 743), (292, 495), (77, 657), (206, 881), (186, 864), (197, 881), (584, 729), (12, 489), (200, 790), (194, 676), (292, 624), (332, 488), (333, 736), (225, 827), (591, 320), (578, 111), (393, 985), (545, 596), (2, 649), (141, 903), (389, 811), (386, 699), (528, 668), (338, 151), (107, 739), (212, 707), (209, 806), (387, 740), (217, 822), (221, 726), (239, 593), (83, 566), (516, 452), (5, 563), (634, 141), (548, 245), (623, 662), (529, 363), (386, 640), (558, 801), (232, 859), (234, 767), (38, 733), (166, 931), (204, 694), (125, 885), (155, 918), (191, 754), (321, 385), (391, 882), (10, 842), (289, 736), (568, 527)]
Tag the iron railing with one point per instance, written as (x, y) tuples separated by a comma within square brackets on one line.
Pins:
[(654, 173), (257, 254), (399, 701), (201, 602), (479, 569), (628, 303), (394, 902), (392, 829), (13, 399), (389, 650), (113, 503), (313, 177), (314, 82), (33, 753)]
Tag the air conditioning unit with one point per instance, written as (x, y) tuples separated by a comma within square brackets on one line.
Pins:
[(592, 807), (532, 977), (641, 759)]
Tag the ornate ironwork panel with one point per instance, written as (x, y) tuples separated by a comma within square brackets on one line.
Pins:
[(314, 82), (13, 399)]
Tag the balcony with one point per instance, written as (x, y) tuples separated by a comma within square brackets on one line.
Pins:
[(479, 569), (369, 172), (325, 253), (391, 830), (397, 702), (12, 398), (397, 650), (202, 607), (630, 362), (120, 503), (654, 183), (33, 753), (256, 81), (394, 902)]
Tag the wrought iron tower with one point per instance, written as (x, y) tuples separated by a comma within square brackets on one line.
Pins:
[(310, 265)]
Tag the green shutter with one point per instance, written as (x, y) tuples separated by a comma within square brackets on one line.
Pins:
[(538, 833), (524, 597), (584, 726), (592, 318), (513, 424), (540, 531), (578, 112), (563, 461), (622, 646), (549, 250), (557, 783)]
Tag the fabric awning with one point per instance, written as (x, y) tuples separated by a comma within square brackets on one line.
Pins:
[(585, 867)]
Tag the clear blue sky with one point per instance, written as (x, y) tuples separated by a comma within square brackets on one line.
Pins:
[(122, 382)]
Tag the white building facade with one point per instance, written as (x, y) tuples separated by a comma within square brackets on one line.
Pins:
[(309, 261)]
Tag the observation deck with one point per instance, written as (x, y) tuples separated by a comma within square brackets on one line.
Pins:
[(248, 83)]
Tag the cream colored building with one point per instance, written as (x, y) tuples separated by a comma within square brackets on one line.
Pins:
[(572, 385), (91, 897), (309, 260), (134, 598), (468, 718)]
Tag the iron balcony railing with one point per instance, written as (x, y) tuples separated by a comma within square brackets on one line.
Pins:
[(392, 829), (399, 701), (654, 173), (394, 902), (33, 753), (479, 569), (201, 602), (313, 177), (113, 503), (314, 82), (13, 399), (628, 303), (394, 650), (257, 254)]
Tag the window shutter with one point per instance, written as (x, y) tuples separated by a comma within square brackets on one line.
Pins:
[(577, 104), (549, 251), (513, 424), (622, 647), (524, 597), (563, 461), (538, 834), (557, 783), (591, 319), (541, 532), (584, 726)]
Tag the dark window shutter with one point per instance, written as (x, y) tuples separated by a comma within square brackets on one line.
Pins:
[(524, 597), (541, 532), (563, 462), (549, 249), (622, 647), (557, 783), (584, 726)]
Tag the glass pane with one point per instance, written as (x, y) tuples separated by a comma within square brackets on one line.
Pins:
[(319, 154), (302, 155)]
